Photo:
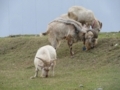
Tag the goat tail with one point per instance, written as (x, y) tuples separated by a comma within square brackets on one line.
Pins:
[(47, 32), (43, 34)]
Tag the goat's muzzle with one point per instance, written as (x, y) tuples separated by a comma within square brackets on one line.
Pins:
[(46, 76)]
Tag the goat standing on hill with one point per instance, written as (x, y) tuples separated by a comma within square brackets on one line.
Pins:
[(45, 59), (62, 28), (84, 16)]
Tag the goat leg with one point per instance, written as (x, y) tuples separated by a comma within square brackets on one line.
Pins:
[(70, 46)]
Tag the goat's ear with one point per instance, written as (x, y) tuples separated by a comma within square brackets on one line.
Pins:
[(53, 62), (100, 23), (53, 59)]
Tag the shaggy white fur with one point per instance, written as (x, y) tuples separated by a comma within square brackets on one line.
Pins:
[(45, 59)]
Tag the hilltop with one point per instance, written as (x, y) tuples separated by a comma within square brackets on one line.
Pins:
[(87, 70)]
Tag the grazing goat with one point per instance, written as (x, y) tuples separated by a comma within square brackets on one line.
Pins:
[(45, 59), (90, 40), (62, 28)]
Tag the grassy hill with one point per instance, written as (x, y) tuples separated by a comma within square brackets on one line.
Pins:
[(88, 70)]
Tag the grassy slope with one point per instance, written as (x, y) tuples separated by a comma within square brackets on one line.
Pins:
[(92, 69)]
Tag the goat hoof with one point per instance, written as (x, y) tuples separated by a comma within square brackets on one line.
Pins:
[(32, 77), (84, 48)]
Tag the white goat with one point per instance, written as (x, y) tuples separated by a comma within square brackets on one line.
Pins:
[(45, 59), (84, 16)]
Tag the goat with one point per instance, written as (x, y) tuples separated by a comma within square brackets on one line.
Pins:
[(62, 28), (84, 16), (45, 59)]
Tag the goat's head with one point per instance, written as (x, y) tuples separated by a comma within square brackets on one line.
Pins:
[(45, 71), (89, 40), (100, 23), (46, 66)]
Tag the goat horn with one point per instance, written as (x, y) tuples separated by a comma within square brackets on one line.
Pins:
[(46, 61)]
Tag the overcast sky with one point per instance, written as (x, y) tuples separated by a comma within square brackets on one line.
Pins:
[(33, 16)]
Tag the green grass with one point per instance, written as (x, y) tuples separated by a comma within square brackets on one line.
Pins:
[(87, 70)]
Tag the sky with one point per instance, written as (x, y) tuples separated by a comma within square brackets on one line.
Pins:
[(33, 16)]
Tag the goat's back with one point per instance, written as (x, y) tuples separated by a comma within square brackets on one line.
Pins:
[(46, 52), (59, 30), (81, 13)]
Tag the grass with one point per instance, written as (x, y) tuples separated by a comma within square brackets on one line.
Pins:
[(87, 70)]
